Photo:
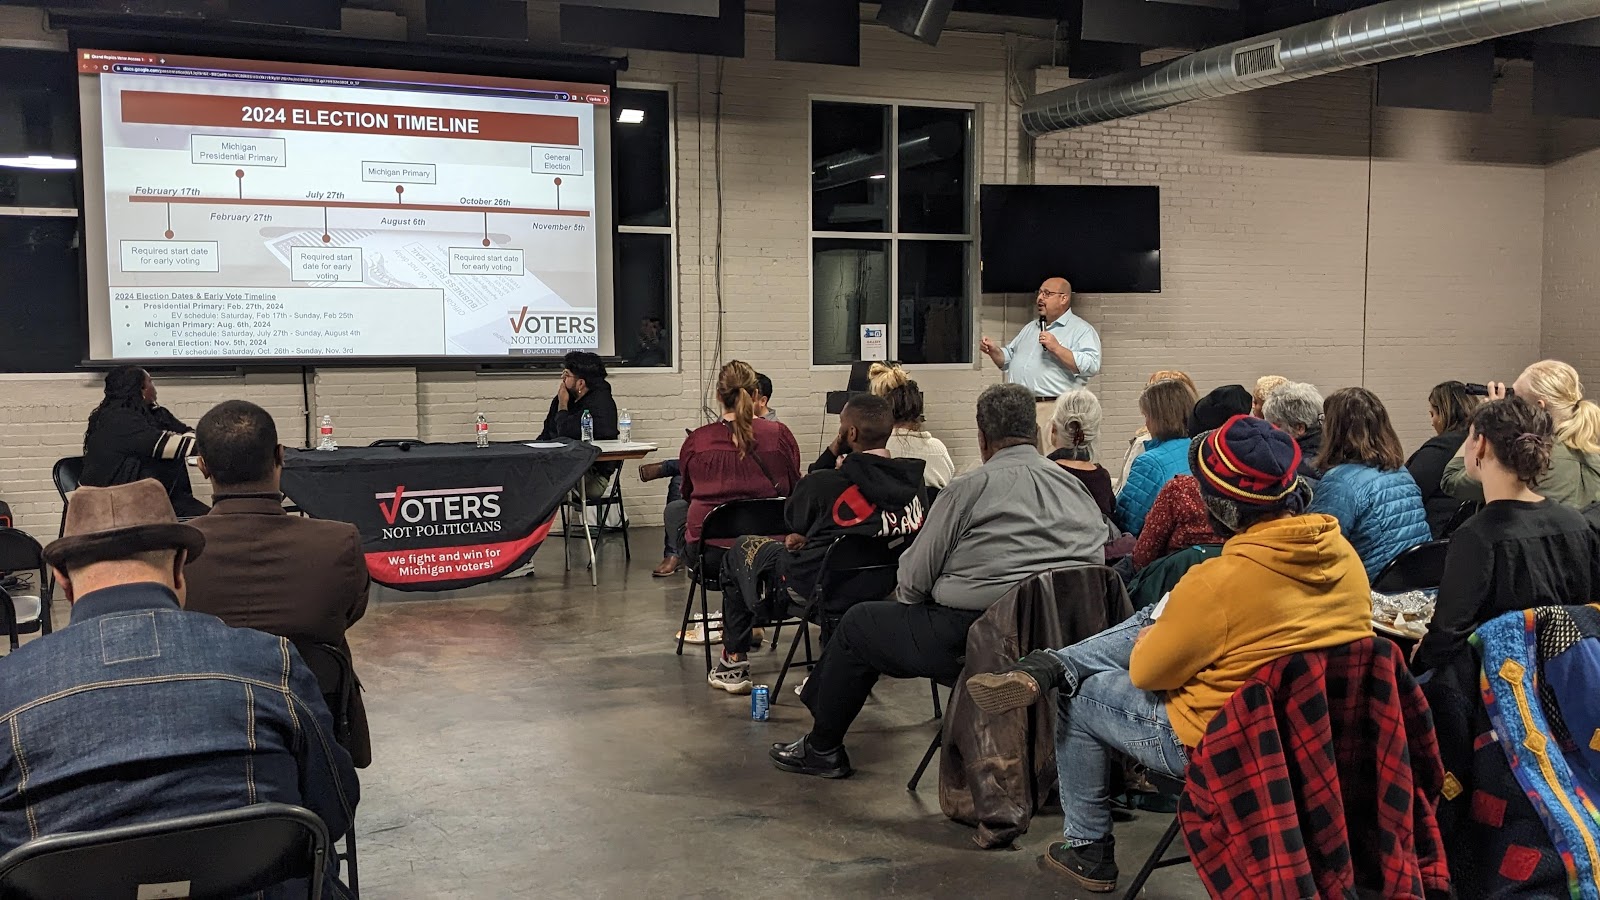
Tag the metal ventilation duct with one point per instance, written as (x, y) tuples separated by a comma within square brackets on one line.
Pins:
[(1361, 37)]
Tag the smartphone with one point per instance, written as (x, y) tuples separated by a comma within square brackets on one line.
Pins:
[(1482, 390)]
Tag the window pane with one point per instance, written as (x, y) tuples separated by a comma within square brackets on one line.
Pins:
[(850, 181), (849, 288), (38, 117), (643, 265), (935, 157), (935, 302), (641, 132)]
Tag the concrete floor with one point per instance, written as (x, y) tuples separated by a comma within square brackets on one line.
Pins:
[(537, 737)]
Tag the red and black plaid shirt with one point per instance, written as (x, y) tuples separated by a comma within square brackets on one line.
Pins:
[(1320, 778)]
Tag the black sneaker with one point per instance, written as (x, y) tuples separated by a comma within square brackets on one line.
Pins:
[(801, 757), (1019, 685), (1094, 866)]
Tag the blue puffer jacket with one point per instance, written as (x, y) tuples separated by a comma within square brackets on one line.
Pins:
[(1380, 512), (1161, 461)]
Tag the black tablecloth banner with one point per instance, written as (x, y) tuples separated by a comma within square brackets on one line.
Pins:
[(440, 516)]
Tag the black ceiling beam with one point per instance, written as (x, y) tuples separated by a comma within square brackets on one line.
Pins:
[(1148, 24), (818, 31), (1460, 80), (707, 8), (501, 19), (670, 32)]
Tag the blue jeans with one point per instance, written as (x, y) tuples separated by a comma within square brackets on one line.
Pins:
[(1106, 713), (672, 545)]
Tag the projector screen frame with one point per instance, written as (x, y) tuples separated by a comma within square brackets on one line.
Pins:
[(339, 51)]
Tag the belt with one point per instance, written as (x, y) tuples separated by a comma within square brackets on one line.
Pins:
[(1045, 399)]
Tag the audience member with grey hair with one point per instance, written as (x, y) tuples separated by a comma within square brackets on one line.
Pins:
[(1015, 515), (1296, 407), (1074, 435)]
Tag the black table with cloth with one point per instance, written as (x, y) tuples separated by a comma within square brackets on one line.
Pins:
[(439, 516)]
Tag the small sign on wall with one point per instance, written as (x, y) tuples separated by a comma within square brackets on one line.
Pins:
[(874, 342)]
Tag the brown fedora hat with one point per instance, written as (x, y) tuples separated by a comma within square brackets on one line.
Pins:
[(116, 522)]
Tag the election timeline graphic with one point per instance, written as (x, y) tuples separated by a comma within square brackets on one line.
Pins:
[(284, 214)]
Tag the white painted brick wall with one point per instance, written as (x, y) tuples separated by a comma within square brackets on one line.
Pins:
[(1266, 259), (1571, 329)]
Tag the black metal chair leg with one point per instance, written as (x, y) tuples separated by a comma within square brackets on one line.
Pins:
[(705, 627), (938, 713), (776, 631), (933, 747), (353, 878), (777, 688), (1155, 861), (688, 607)]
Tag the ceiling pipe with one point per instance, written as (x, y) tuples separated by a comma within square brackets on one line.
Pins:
[(1373, 34)]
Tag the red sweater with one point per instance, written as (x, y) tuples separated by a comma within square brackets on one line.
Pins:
[(1177, 521), (714, 472)]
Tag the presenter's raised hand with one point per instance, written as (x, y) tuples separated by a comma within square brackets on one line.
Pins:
[(990, 349)]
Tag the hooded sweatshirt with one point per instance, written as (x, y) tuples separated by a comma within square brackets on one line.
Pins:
[(867, 494), (1279, 588)]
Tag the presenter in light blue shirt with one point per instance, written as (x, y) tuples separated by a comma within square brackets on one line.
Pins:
[(1051, 361)]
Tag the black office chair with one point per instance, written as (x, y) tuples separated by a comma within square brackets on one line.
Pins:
[(1418, 568), (1166, 784), (25, 599), (724, 523), (67, 474), (855, 568), (337, 678), (211, 856)]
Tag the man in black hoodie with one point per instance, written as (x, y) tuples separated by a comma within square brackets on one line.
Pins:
[(855, 487), (583, 389)]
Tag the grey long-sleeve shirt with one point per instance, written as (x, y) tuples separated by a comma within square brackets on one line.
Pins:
[(1016, 515)]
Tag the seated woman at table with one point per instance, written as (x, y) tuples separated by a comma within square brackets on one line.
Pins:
[(737, 457), (130, 437), (1523, 550)]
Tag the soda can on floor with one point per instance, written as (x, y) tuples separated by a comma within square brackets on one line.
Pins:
[(760, 702)]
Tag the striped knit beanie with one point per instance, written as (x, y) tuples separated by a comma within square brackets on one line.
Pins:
[(1248, 465)]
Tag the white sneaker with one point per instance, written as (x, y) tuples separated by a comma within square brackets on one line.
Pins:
[(731, 677), (695, 634)]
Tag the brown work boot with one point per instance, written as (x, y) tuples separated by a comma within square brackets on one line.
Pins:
[(650, 472), (668, 567)]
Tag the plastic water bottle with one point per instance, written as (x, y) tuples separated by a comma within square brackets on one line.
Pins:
[(325, 440), (625, 426), (588, 427), (483, 431)]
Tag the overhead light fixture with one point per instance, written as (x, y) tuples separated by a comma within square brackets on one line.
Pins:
[(37, 161), (630, 116), (878, 177)]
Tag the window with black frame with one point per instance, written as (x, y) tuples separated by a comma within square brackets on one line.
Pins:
[(891, 230), (642, 253)]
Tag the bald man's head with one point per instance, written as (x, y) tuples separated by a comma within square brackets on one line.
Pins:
[(1055, 298)]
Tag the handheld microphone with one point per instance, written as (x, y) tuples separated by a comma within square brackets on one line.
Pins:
[(1042, 323)]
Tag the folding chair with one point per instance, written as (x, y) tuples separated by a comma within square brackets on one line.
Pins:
[(1166, 784), (938, 734), (1418, 568), (856, 568), (724, 523), (24, 613), (337, 678), (67, 473), (232, 853), (610, 500)]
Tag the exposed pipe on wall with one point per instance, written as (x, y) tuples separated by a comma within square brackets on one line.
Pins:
[(1361, 37)]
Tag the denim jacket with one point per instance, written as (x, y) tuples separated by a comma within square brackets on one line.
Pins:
[(140, 711)]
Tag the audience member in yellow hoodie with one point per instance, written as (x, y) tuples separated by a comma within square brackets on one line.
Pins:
[(1286, 582)]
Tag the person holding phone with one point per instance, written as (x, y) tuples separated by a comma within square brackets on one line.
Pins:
[(1573, 475)]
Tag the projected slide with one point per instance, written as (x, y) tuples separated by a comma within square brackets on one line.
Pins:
[(260, 209)]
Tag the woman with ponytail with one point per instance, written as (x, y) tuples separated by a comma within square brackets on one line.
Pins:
[(1523, 550), (130, 438), (1573, 477), (737, 457), (909, 440)]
